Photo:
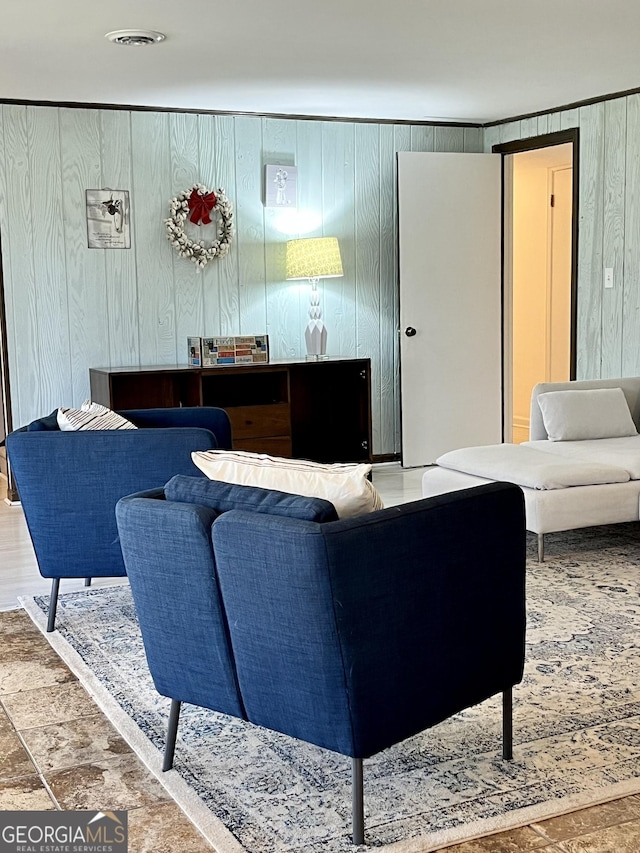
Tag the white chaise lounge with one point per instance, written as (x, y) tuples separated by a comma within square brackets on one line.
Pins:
[(581, 466)]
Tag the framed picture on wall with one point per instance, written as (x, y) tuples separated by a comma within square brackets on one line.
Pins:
[(280, 186), (108, 215)]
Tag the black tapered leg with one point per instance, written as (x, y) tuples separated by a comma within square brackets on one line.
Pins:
[(507, 724), (172, 733), (53, 604), (87, 581), (357, 802)]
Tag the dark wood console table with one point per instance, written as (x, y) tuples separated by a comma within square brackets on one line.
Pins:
[(318, 410)]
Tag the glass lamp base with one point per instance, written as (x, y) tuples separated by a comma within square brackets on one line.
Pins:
[(316, 357)]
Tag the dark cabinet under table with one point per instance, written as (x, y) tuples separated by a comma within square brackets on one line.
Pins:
[(318, 410)]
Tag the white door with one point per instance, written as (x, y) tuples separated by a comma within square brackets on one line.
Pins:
[(449, 222)]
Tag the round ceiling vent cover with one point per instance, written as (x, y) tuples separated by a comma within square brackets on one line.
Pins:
[(135, 37)]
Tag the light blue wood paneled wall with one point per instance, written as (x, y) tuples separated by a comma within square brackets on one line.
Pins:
[(608, 329), (70, 308)]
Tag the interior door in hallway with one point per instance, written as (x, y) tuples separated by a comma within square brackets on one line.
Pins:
[(449, 219), (537, 277), (559, 324)]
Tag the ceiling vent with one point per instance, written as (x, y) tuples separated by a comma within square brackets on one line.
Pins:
[(135, 37)]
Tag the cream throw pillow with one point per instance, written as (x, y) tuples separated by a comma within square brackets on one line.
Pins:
[(91, 416), (586, 414), (346, 486)]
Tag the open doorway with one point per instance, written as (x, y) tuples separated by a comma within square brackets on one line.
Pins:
[(540, 275), (540, 213)]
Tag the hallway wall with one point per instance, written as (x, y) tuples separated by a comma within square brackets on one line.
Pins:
[(608, 328)]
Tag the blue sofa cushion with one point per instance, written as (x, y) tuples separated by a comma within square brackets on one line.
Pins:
[(206, 417), (48, 422), (223, 497)]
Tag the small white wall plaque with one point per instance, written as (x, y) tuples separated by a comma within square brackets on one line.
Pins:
[(108, 216), (280, 186)]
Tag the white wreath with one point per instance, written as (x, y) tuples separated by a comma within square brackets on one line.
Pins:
[(196, 250)]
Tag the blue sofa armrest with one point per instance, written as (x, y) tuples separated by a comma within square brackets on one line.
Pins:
[(170, 565), (359, 633), (69, 483)]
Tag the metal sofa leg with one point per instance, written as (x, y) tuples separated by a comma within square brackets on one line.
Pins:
[(541, 547), (87, 581), (53, 605), (507, 724), (172, 733), (357, 802)]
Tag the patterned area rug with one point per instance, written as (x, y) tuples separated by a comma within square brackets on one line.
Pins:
[(576, 724)]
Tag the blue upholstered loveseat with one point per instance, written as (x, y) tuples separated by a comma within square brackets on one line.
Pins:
[(69, 482), (350, 634)]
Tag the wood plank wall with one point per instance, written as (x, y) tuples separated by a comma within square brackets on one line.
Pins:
[(609, 228), (70, 308)]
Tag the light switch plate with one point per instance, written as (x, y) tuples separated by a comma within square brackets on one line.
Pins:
[(608, 277)]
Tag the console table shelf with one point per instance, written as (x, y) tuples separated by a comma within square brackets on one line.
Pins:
[(318, 410)]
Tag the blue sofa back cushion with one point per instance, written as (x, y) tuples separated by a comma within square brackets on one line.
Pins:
[(214, 419), (49, 422), (223, 497)]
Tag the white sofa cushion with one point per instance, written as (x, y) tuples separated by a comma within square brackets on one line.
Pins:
[(589, 414), (529, 467), (549, 510), (620, 452)]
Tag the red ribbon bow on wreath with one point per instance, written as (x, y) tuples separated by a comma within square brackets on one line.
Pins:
[(200, 207)]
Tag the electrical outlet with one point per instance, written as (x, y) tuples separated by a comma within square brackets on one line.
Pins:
[(608, 277)]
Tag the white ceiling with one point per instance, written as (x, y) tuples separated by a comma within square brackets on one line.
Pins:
[(456, 60)]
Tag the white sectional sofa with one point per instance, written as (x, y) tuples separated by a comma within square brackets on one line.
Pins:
[(580, 468)]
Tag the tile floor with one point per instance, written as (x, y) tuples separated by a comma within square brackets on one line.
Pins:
[(57, 750)]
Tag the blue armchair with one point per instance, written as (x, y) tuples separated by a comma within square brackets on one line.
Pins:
[(352, 634), (70, 482)]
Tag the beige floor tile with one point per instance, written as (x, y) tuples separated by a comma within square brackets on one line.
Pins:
[(116, 783), (513, 841), (586, 820), (27, 660), (164, 828), (48, 705), (20, 675), (16, 622), (26, 794), (623, 838), (81, 741), (14, 759)]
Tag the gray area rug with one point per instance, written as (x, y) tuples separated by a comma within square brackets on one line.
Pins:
[(576, 724)]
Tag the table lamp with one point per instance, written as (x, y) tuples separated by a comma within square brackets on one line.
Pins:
[(314, 258)]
